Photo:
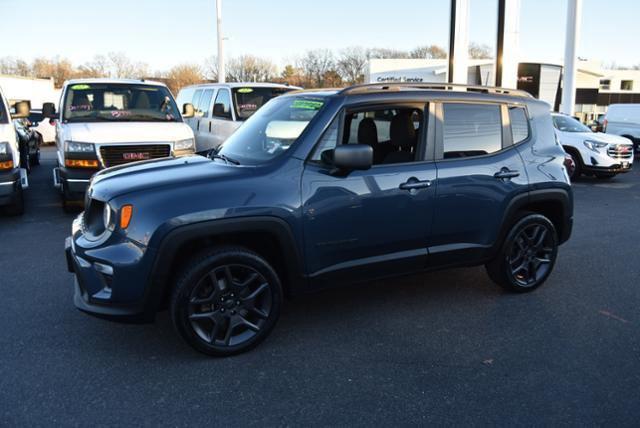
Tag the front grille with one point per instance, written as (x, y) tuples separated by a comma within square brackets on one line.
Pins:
[(118, 155), (620, 151)]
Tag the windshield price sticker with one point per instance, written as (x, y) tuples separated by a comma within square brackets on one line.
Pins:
[(307, 104), (245, 90)]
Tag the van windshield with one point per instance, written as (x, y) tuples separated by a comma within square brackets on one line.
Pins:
[(4, 117), (272, 130), (569, 124), (119, 102), (248, 100)]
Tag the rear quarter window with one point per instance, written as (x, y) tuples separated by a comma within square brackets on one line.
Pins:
[(471, 130), (519, 124)]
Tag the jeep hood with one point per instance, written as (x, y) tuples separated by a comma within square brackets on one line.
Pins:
[(126, 132), (143, 176)]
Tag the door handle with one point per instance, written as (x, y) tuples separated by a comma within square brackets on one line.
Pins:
[(506, 173), (209, 127), (413, 183), (198, 125)]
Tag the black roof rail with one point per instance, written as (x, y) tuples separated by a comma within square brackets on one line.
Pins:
[(436, 86)]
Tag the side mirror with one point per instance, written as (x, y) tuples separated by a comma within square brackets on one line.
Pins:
[(218, 110), (22, 110), (351, 157), (49, 110), (188, 110)]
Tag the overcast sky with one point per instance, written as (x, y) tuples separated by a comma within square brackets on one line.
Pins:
[(164, 33)]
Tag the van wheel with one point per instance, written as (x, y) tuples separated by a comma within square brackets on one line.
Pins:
[(527, 256), (16, 208), (226, 302)]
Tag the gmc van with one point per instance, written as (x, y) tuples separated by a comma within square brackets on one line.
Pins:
[(624, 120), (109, 122), (221, 108), (13, 178)]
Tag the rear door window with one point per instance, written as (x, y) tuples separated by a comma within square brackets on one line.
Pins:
[(471, 130), (205, 102), (196, 99)]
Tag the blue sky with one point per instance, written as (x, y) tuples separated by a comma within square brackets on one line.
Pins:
[(163, 33)]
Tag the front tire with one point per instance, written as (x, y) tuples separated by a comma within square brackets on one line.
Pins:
[(226, 302), (527, 256)]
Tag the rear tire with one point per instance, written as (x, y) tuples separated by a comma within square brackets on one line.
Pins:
[(226, 301), (527, 256)]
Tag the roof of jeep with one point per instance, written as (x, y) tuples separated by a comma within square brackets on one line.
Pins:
[(438, 89), (111, 80)]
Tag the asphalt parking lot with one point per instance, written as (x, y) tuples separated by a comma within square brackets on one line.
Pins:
[(446, 347)]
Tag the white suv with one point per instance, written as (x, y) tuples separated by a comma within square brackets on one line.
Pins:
[(595, 153), (110, 122)]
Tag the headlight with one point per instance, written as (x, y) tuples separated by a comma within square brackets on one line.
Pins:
[(107, 218), (187, 144), (4, 149), (76, 147), (595, 145)]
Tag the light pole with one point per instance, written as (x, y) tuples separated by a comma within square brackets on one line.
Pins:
[(221, 71), (574, 16)]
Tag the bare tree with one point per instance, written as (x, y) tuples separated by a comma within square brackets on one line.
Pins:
[(428, 52), (249, 68), (479, 51), (315, 64), (210, 68), (14, 66), (383, 53), (98, 67), (184, 75), (122, 67), (351, 64), (60, 69)]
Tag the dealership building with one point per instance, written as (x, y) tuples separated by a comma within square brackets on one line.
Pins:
[(596, 86)]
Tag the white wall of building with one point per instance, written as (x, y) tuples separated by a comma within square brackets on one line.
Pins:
[(37, 91)]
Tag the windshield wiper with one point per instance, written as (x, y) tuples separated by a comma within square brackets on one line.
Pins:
[(225, 158)]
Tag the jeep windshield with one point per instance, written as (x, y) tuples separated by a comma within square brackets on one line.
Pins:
[(119, 102), (569, 124), (248, 100), (271, 130)]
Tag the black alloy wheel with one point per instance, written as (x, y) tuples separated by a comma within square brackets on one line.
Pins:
[(532, 254), (527, 256), (227, 302)]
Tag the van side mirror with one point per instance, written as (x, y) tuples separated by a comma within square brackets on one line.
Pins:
[(188, 110), (351, 157), (22, 110), (49, 110), (218, 110)]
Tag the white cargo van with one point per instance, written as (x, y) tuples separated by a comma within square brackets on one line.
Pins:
[(110, 122), (13, 178), (220, 108), (624, 120)]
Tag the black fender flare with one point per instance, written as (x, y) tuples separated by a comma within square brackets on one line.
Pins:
[(558, 195), (176, 238)]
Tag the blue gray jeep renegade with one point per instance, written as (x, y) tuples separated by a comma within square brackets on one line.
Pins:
[(321, 188)]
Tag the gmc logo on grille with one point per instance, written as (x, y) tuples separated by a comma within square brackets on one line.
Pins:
[(136, 156), (624, 149)]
